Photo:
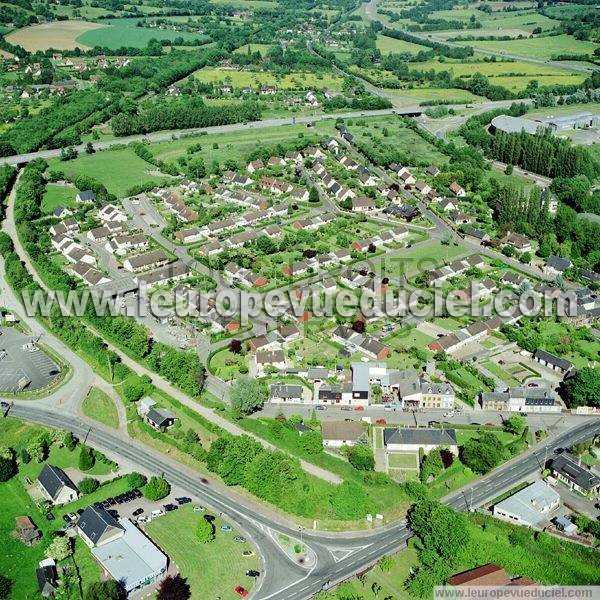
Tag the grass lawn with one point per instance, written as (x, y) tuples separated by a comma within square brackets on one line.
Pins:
[(226, 365), (118, 170), (115, 33), (408, 338), (256, 79), (99, 406), (499, 372), (417, 259), (213, 569), (57, 195), (403, 460)]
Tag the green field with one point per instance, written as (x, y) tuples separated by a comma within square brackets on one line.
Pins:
[(388, 45), (544, 48), (403, 460), (123, 32), (255, 79), (211, 569), (118, 170), (409, 97), (499, 372), (252, 48), (100, 406), (57, 195)]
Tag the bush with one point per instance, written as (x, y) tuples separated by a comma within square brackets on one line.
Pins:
[(157, 488), (88, 485), (205, 531), (361, 457), (8, 464), (5, 586), (86, 459), (136, 480)]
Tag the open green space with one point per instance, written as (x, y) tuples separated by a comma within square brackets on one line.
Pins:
[(116, 33), (388, 45), (499, 372), (118, 170), (98, 405), (212, 569), (403, 460), (252, 48), (57, 195)]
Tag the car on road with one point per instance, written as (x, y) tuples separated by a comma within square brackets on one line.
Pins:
[(448, 414), (359, 408), (142, 214), (252, 573), (239, 538), (170, 507), (248, 553), (183, 500), (380, 422), (240, 591), (346, 408), (199, 508), (226, 528), (320, 407), (533, 385), (3, 354), (137, 512)]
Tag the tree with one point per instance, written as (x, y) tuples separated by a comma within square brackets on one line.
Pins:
[(88, 485), (8, 464), (89, 148), (447, 457), (235, 346), (205, 531), (247, 395), (60, 548), (515, 424), (361, 457), (311, 442), (24, 456), (105, 590), (583, 389), (174, 588), (69, 441), (136, 480), (157, 488), (482, 454), (5, 586), (385, 563), (431, 466), (313, 195), (86, 459)]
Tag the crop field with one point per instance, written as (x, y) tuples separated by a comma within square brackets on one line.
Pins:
[(424, 94), (544, 48), (118, 170), (60, 35), (388, 45), (255, 79), (115, 33)]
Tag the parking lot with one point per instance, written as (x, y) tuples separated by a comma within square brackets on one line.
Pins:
[(19, 364)]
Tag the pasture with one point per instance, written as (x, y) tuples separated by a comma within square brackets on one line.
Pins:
[(256, 79), (543, 48), (388, 45), (410, 97), (60, 35), (118, 170), (114, 33)]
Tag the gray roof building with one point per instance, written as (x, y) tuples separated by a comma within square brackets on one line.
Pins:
[(97, 525), (53, 480), (420, 437), (579, 475)]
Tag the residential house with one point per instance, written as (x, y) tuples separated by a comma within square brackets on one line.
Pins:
[(476, 235), (555, 265), (517, 241), (254, 166), (432, 171), (419, 440), (159, 418), (422, 187), (55, 485), (457, 190), (363, 204), (280, 393), (86, 197), (577, 476), (522, 399), (147, 261), (553, 362), (340, 433), (47, 578), (189, 236)]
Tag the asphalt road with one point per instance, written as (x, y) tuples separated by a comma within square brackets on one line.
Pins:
[(338, 556)]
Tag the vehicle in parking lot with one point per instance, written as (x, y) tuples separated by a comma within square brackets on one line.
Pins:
[(248, 553), (226, 528), (170, 507), (157, 512), (346, 408), (143, 519), (72, 516), (238, 589), (252, 573), (239, 538), (183, 500), (199, 508), (137, 511)]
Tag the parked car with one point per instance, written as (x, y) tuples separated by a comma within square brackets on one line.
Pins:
[(320, 407), (143, 519), (158, 512), (359, 408), (346, 407), (380, 422), (137, 512), (248, 553), (238, 589), (199, 508), (170, 507), (183, 500), (226, 528), (252, 573), (239, 538)]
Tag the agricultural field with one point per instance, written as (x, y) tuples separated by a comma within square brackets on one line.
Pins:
[(211, 569), (60, 35), (543, 48), (118, 170), (115, 33), (256, 79), (388, 45)]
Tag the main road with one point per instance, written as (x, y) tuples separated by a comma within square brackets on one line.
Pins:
[(337, 556)]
